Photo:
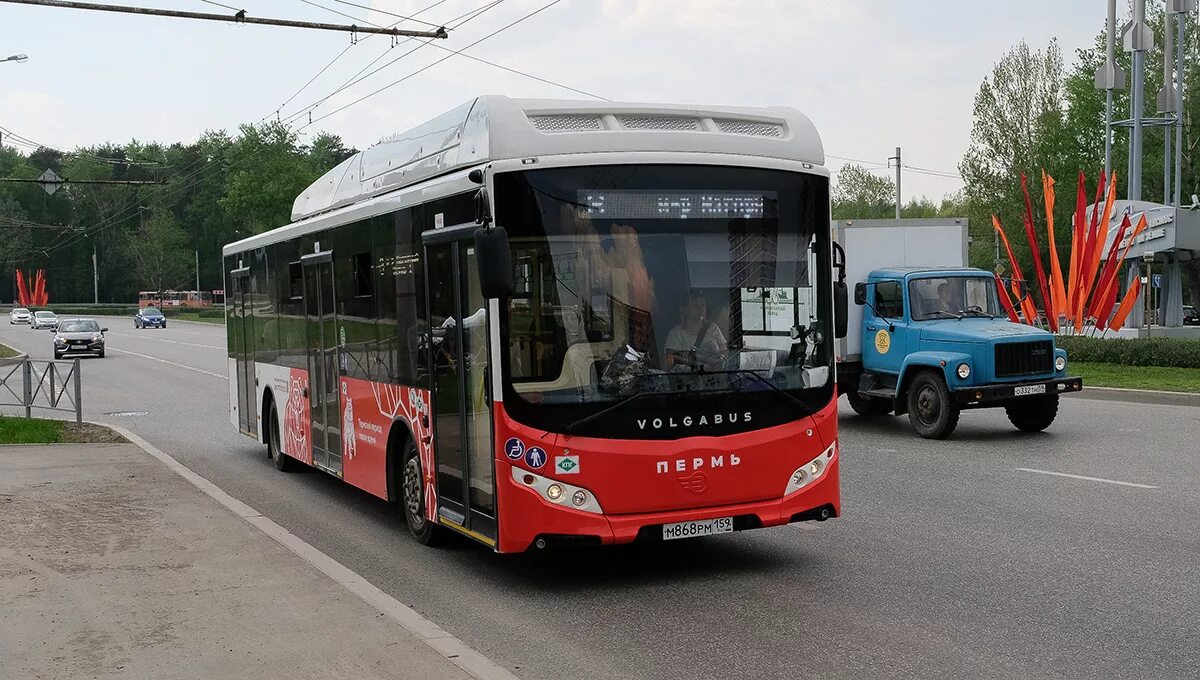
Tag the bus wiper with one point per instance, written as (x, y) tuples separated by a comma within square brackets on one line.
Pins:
[(574, 427), (942, 312), (977, 311)]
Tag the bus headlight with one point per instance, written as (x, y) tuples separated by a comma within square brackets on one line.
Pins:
[(558, 493), (811, 471), (1060, 363), (964, 371)]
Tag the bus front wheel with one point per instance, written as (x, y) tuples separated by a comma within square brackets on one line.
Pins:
[(413, 500)]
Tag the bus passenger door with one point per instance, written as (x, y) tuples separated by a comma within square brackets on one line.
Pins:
[(461, 391), (321, 324), (243, 350)]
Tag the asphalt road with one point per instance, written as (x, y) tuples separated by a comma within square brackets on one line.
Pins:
[(953, 559)]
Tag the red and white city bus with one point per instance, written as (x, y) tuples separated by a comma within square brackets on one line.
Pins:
[(656, 357)]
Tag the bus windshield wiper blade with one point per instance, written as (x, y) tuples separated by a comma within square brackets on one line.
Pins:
[(574, 427), (753, 374)]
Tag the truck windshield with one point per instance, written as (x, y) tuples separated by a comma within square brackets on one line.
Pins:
[(660, 287), (944, 297)]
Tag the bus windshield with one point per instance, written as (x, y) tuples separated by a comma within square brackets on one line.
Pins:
[(660, 287)]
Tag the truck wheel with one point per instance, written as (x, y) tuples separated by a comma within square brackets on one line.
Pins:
[(930, 410), (412, 497), (283, 462), (869, 407), (1032, 414)]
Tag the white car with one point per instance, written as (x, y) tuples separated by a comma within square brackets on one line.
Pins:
[(44, 319), (19, 315)]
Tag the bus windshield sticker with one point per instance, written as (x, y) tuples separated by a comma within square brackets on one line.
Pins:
[(514, 448), (535, 457)]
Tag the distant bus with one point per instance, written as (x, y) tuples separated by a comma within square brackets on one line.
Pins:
[(654, 360), (175, 298)]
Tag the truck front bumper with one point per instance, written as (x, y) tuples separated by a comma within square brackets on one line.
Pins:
[(984, 396)]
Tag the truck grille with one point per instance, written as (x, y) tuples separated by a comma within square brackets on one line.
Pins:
[(1024, 358)]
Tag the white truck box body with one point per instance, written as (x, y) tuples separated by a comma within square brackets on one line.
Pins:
[(882, 244)]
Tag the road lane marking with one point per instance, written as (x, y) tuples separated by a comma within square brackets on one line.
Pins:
[(171, 363), (177, 342), (1089, 479), (439, 639)]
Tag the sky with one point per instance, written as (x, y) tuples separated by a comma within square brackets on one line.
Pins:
[(871, 74)]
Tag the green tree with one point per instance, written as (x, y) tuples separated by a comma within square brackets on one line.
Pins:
[(160, 253), (267, 170), (860, 194)]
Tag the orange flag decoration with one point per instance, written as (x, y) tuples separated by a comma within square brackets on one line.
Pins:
[(1078, 234), (1006, 301), (1097, 234), (1017, 277), (1047, 301), (1109, 272), (1126, 307), (1057, 288)]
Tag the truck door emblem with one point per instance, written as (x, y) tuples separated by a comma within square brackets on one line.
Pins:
[(883, 341)]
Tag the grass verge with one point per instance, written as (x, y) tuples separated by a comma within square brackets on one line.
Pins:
[(40, 431), (7, 352), (1157, 378), (220, 320)]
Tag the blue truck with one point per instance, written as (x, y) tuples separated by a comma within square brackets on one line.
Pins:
[(927, 335)]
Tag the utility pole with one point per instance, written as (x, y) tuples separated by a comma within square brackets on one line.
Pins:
[(95, 277), (197, 276), (1138, 39), (897, 159)]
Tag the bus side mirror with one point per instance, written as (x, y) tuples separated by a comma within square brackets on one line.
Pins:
[(495, 262), (840, 309), (860, 294)]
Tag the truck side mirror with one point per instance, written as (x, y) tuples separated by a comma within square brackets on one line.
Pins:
[(840, 309), (860, 294), (495, 262)]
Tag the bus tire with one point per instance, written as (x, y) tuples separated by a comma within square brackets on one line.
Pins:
[(282, 461), (1032, 414), (412, 496), (932, 414), (869, 407)]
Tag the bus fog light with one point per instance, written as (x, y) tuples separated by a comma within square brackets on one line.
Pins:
[(799, 477), (579, 498), (554, 492), (1060, 363), (529, 480), (814, 468), (964, 371)]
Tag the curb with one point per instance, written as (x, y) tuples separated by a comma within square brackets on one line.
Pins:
[(448, 646), (1138, 396)]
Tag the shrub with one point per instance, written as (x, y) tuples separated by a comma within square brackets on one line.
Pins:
[(1169, 352)]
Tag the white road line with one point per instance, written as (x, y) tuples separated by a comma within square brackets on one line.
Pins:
[(178, 342), (171, 363), (1089, 479), (449, 646)]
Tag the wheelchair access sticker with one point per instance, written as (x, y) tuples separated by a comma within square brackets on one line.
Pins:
[(514, 448)]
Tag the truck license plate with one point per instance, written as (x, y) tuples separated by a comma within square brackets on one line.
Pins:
[(1023, 390), (705, 527)]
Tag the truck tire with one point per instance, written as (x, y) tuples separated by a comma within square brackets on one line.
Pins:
[(282, 461), (932, 414), (869, 407), (1032, 414)]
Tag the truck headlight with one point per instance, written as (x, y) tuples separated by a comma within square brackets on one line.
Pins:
[(964, 371), (1060, 363)]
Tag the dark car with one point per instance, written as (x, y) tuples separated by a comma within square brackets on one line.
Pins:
[(149, 316), (1190, 317), (79, 335)]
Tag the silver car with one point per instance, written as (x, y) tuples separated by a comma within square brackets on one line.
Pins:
[(44, 319), (19, 315), (79, 335)]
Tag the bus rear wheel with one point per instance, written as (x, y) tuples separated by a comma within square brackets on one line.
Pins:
[(412, 500), (283, 462)]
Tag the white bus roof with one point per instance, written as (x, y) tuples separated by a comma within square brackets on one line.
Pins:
[(495, 127)]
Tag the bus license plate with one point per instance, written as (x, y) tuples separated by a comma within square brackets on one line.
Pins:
[(704, 527), (1022, 390)]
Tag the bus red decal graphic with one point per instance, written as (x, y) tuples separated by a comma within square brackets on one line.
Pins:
[(395, 401), (296, 424)]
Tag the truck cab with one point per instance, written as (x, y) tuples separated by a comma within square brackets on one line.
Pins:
[(935, 341)]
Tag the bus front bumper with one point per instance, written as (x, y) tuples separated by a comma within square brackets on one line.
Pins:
[(536, 524)]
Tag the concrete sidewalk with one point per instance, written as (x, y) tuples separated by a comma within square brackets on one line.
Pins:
[(111, 565)]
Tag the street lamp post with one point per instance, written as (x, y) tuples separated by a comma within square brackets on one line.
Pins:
[(19, 58)]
